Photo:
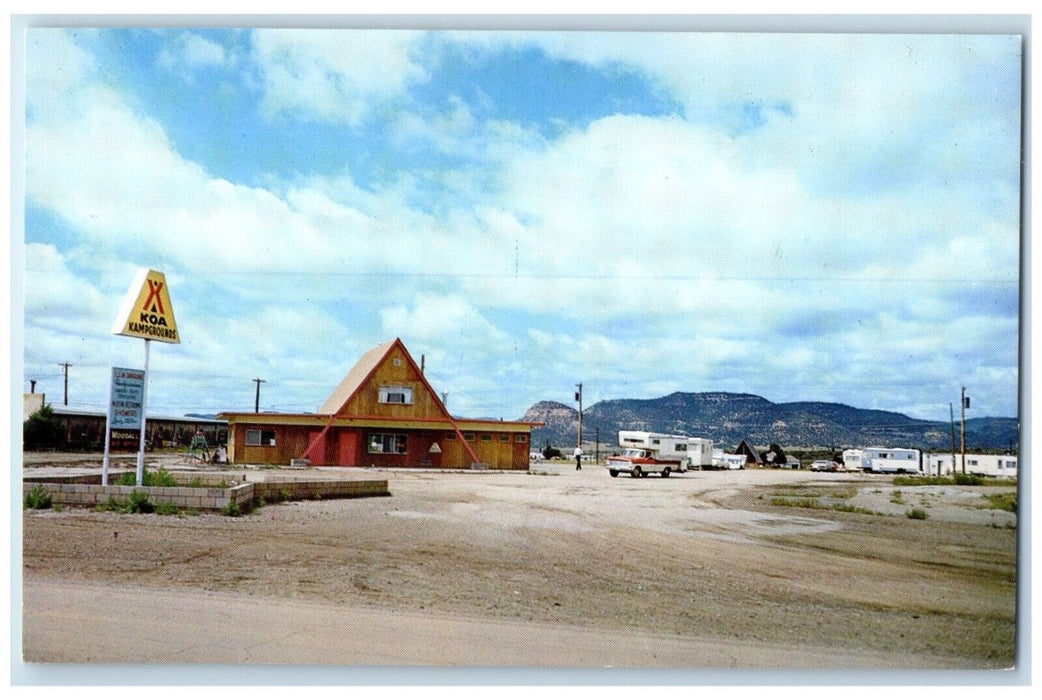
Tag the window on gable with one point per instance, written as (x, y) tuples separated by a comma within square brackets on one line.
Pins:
[(396, 394)]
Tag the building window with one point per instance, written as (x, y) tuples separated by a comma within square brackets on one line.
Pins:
[(520, 438), (396, 394), (450, 436), (260, 438), (504, 438), (469, 437), (388, 443), (486, 438)]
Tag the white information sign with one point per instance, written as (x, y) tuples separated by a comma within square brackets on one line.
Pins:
[(127, 391)]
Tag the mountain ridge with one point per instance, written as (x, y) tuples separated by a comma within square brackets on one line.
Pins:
[(728, 418)]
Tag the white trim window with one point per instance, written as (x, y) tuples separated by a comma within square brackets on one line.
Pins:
[(396, 394), (388, 443)]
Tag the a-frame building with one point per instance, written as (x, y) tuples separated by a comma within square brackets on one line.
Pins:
[(384, 413)]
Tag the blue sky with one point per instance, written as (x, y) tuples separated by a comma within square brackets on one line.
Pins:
[(829, 217)]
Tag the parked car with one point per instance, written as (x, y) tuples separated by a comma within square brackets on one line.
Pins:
[(824, 465)]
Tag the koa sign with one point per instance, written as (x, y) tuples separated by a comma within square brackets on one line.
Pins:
[(147, 312)]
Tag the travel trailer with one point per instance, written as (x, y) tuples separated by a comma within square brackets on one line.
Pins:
[(646, 453)]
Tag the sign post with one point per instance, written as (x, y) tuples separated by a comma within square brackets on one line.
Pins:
[(126, 399), (148, 314)]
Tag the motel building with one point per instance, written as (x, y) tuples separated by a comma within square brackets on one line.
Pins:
[(383, 414)]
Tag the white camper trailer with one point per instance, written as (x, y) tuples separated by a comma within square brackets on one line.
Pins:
[(1002, 466), (853, 460), (889, 460), (646, 453)]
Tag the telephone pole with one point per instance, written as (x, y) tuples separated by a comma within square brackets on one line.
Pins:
[(579, 398), (65, 371), (256, 400), (952, 412), (965, 405)]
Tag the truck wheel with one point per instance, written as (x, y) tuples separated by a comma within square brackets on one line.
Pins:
[(636, 472), (665, 472), (613, 472)]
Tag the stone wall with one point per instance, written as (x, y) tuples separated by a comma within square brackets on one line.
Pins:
[(209, 492)]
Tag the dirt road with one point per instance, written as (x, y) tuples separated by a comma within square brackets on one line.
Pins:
[(565, 568)]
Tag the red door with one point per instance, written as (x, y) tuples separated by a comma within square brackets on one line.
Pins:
[(347, 452)]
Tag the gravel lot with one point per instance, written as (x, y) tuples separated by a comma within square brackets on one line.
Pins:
[(551, 568)]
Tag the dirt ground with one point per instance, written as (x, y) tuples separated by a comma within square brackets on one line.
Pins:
[(711, 564)]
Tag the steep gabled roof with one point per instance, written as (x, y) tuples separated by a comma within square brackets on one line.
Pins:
[(354, 380)]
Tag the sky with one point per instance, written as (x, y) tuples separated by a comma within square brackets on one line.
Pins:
[(805, 217)]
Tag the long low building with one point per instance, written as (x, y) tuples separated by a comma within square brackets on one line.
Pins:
[(383, 414), (939, 464), (84, 429)]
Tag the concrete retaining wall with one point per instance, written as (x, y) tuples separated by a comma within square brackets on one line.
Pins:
[(78, 491)]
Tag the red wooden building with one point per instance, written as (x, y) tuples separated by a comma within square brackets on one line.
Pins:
[(383, 414)]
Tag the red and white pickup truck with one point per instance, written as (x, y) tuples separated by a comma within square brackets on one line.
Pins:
[(650, 453)]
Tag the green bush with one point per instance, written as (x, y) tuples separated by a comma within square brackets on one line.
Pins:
[(42, 429), (167, 509), (38, 498), (916, 514), (1001, 501), (160, 477), (139, 503)]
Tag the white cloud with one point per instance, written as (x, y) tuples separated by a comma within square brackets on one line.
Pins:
[(192, 51), (333, 75)]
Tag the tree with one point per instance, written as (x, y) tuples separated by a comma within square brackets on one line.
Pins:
[(774, 455), (42, 429), (550, 452)]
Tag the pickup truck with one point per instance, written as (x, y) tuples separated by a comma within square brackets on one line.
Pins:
[(639, 462)]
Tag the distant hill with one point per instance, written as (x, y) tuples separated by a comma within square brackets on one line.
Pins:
[(729, 418)]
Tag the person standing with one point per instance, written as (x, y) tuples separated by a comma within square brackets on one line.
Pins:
[(578, 454)]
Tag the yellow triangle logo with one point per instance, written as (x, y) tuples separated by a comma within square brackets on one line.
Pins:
[(147, 311)]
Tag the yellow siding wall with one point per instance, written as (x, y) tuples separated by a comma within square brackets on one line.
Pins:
[(366, 402)]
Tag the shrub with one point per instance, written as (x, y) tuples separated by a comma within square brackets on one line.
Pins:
[(232, 510), (798, 503), (968, 480), (916, 514), (847, 508), (139, 503), (38, 498), (167, 509), (160, 477), (42, 429), (1001, 501)]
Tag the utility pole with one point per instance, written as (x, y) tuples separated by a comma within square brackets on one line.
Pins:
[(65, 371), (256, 401), (952, 412), (579, 398), (32, 390), (597, 446), (965, 405)]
